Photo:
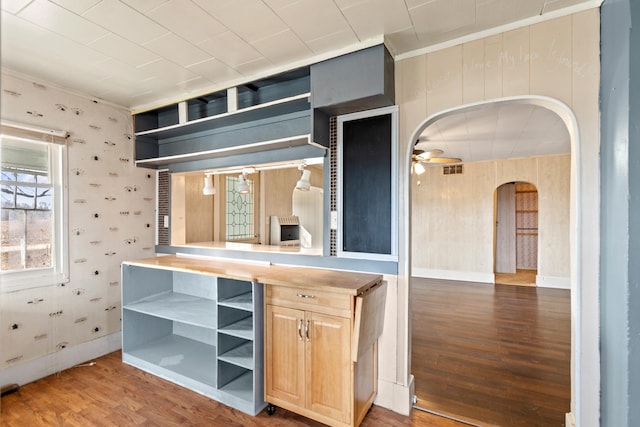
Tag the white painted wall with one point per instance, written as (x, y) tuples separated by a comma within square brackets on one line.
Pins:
[(111, 216), (452, 217), (559, 59)]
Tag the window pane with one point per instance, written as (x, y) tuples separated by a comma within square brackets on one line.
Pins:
[(26, 177), (8, 176), (44, 198), (13, 238), (8, 196), (38, 239), (43, 179), (26, 197)]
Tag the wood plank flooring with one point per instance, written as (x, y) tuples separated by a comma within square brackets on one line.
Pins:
[(492, 355), (111, 393)]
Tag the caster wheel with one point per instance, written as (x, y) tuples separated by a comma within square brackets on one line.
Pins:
[(271, 409)]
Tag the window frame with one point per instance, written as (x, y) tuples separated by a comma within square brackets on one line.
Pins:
[(59, 271)]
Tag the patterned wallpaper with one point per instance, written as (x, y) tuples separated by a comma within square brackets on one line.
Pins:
[(111, 217)]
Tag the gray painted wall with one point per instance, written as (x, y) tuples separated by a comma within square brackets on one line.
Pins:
[(620, 204)]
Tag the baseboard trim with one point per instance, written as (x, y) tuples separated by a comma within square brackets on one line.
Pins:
[(553, 282), (462, 276), (396, 397), (36, 369)]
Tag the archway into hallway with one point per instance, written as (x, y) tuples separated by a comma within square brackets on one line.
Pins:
[(435, 252)]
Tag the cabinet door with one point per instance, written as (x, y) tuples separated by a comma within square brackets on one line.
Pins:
[(284, 359), (329, 366)]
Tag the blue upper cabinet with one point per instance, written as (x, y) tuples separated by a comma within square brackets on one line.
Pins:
[(358, 81)]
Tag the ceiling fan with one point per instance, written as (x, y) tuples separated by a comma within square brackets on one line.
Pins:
[(422, 158)]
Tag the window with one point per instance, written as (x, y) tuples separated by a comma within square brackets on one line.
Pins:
[(240, 213), (31, 213)]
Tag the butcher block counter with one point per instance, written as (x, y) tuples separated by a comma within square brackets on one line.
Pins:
[(352, 283), (252, 335)]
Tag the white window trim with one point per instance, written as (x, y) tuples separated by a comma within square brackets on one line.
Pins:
[(393, 256), (59, 271)]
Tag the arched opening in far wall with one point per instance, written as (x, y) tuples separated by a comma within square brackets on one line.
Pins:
[(564, 117), (516, 234)]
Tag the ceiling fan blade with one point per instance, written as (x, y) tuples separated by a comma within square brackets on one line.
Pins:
[(429, 154), (442, 160)]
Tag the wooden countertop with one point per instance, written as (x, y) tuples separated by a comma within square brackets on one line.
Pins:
[(349, 282)]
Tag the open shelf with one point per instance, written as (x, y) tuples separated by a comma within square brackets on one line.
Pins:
[(240, 356), (184, 356), (241, 387), (274, 144), (200, 331), (178, 307), (252, 113), (242, 328), (241, 302)]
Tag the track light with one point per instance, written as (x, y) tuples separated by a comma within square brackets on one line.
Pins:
[(303, 183), (208, 189), (242, 187)]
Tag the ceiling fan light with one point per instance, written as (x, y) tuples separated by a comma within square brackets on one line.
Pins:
[(418, 168)]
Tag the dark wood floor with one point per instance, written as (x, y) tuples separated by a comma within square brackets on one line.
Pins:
[(113, 394), (492, 354)]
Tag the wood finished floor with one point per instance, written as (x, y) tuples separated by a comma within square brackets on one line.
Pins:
[(493, 355), (111, 393)]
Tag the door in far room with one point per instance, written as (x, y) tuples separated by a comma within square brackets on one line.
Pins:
[(516, 234)]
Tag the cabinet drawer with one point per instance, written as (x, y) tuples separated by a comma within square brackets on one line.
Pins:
[(320, 301)]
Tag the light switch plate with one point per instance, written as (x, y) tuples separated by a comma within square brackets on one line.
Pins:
[(334, 220)]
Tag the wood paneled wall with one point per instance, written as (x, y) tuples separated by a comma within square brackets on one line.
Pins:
[(557, 58), (453, 216)]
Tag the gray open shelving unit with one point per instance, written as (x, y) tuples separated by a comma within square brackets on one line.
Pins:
[(265, 115), (197, 330)]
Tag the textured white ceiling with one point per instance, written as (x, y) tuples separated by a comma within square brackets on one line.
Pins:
[(497, 131), (139, 53)]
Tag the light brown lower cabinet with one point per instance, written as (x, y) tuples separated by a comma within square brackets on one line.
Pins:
[(313, 364)]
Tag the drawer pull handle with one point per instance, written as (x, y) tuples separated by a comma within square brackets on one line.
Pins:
[(305, 296), (300, 329), (306, 331)]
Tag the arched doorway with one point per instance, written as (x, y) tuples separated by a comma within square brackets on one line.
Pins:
[(567, 118), (516, 234)]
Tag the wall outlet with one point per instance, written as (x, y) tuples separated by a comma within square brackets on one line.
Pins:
[(334, 220)]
